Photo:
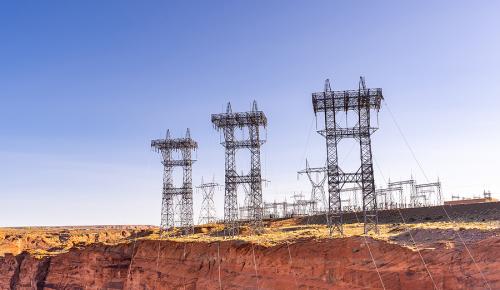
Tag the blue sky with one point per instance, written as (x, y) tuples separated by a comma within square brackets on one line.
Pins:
[(85, 86)]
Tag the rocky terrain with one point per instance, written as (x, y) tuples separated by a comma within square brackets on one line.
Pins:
[(290, 256), (296, 253), (42, 241)]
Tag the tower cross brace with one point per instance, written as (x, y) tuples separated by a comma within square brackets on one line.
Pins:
[(167, 147), (361, 101), (228, 123)]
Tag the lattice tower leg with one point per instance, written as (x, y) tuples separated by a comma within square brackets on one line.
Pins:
[(256, 180), (230, 195), (367, 177), (334, 216)]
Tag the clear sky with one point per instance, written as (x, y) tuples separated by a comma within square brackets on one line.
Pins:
[(85, 86)]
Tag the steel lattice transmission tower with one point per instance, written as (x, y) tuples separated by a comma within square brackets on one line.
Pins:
[(167, 147), (361, 101), (317, 178), (207, 212), (228, 122)]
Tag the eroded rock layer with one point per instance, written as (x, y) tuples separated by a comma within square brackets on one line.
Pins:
[(304, 264)]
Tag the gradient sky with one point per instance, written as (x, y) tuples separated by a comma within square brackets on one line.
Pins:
[(85, 86)]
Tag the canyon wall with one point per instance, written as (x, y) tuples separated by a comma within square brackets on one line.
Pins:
[(304, 264)]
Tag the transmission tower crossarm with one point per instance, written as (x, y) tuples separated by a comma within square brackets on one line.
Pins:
[(228, 122), (312, 170), (171, 194), (361, 102)]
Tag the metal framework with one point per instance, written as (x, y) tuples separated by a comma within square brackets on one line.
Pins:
[(361, 101), (244, 209), (167, 147), (227, 123), (426, 194), (410, 184), (391, 197), (350, 202), (429, 194), (317, 178), (284, 208), (299, 205), (271, 210), (207, 212)]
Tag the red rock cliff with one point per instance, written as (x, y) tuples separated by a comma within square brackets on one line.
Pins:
[(304, 264)]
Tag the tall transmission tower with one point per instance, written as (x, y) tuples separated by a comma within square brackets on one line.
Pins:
[(207, 212), (228, 122), (317, 178), (167, 147), (361, 101)]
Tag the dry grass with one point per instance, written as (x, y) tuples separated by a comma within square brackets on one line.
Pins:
[(44, 241), (53, 241), (288, 231)]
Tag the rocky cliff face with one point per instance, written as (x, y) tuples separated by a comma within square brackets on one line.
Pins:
[(55, 240), (304, 264)]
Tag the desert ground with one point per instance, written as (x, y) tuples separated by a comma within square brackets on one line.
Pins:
[(290, 254)]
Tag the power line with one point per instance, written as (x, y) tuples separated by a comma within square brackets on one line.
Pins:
[(371, 254), (218, 261), (409, 232), (167, 147), (444, 209), (291, 264), (362, 102), (228, 122), (255, 267)]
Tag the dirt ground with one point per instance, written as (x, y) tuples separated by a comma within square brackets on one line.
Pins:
[(42, 241), (287, 255)]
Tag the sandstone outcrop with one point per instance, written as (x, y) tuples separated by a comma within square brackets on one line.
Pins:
[(342, 263)]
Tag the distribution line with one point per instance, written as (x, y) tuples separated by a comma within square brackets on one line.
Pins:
[(365, 240), (289, 256), (183, 260), (327, 193), (305, 150), (418, 250), (255, 266), (218, 260), (409, 231), (291, 265), (131, 259), (371, 254), (307, 140), (487, 284), (158, 260)]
